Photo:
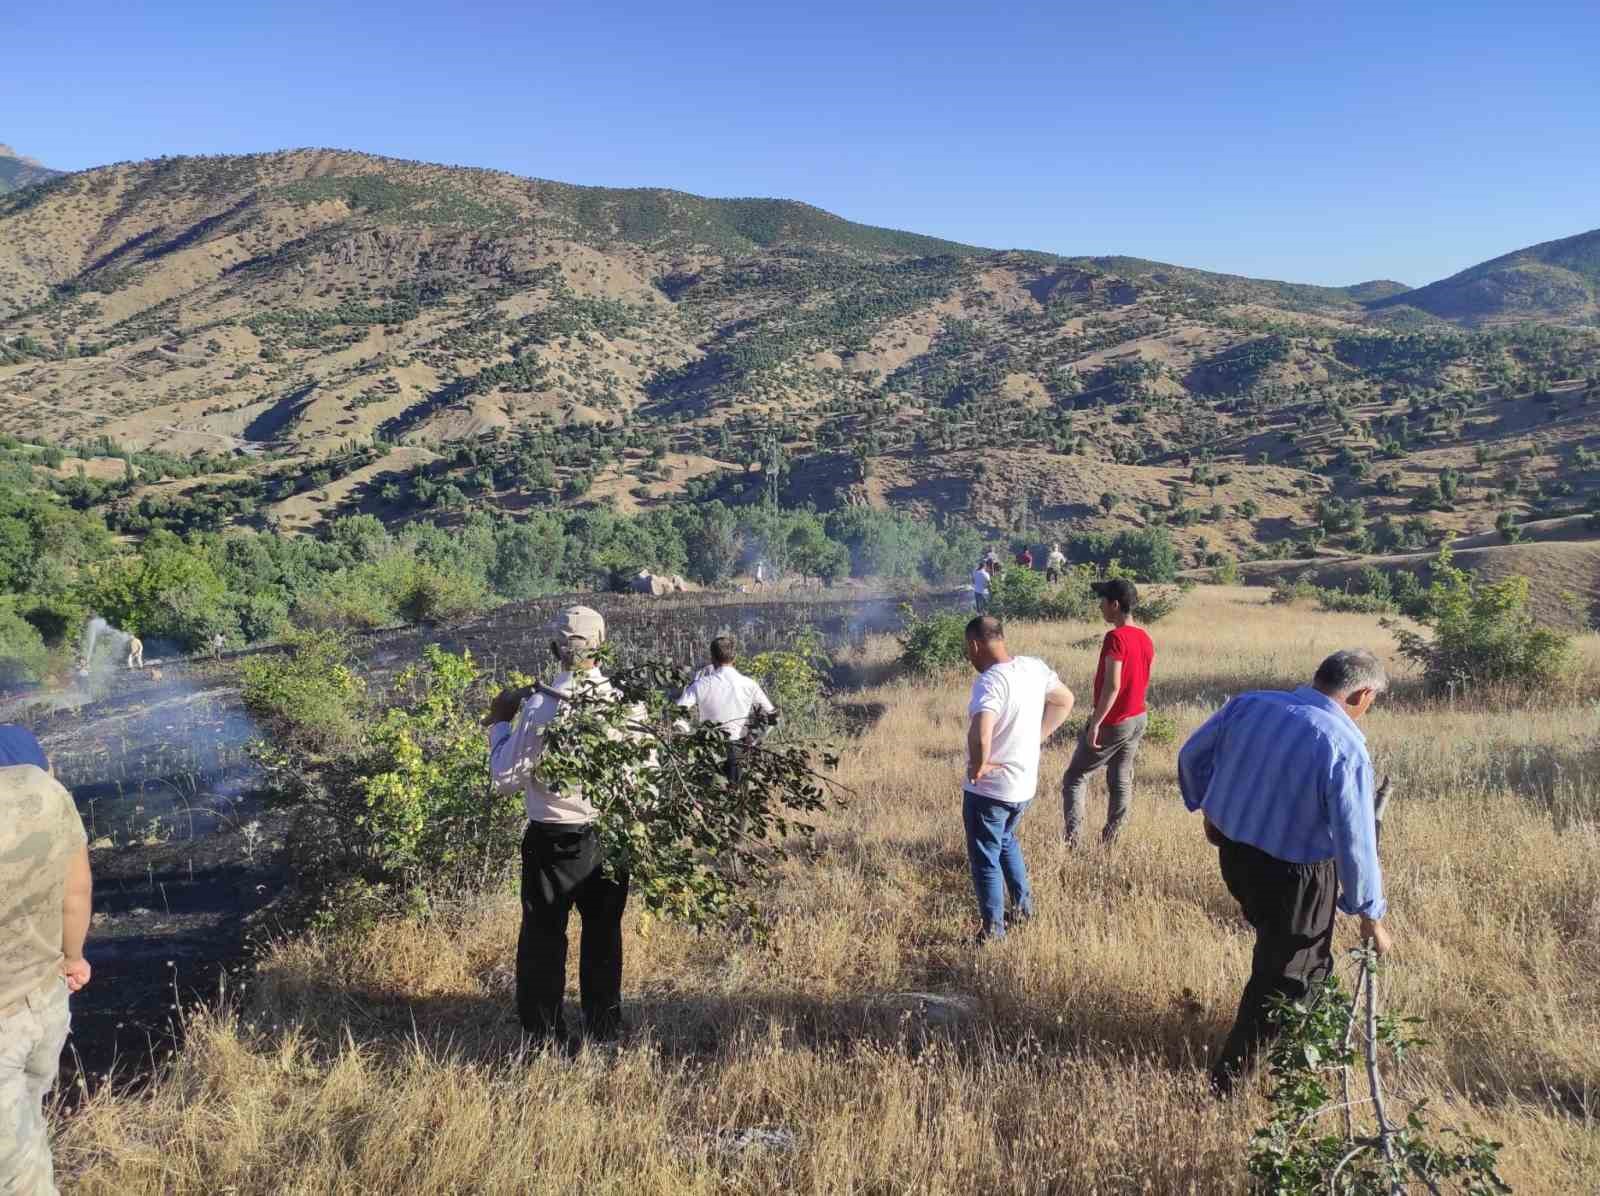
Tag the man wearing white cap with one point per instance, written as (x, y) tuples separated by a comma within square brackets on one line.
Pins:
[(562, 860)]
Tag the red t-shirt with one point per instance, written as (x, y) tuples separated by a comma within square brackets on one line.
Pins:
[(1133, 647)]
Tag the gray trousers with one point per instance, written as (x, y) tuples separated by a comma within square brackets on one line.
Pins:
[(31, 1038), (1119, 747)]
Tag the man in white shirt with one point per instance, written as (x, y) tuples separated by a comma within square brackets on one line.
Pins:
[(1017, 703), (725, 696), (562, 862), (980, 587)]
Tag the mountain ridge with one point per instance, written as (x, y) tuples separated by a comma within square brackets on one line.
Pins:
[(626, 347), (1558, 279), (18, 171)]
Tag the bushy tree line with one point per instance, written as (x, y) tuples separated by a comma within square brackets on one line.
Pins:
[(59, 566)]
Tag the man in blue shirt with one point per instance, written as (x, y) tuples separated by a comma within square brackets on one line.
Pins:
[(1285, 784), (19, 746)]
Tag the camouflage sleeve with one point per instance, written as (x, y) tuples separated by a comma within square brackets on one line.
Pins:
[(71, 821)]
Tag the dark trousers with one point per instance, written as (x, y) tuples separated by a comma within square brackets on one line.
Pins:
[(1291, 907), (561, 868)]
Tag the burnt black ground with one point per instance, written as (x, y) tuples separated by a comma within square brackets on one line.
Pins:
[(157, 763)]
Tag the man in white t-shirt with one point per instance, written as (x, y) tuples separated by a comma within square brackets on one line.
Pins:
[(1018, 702), (725, 696), (980, 587)]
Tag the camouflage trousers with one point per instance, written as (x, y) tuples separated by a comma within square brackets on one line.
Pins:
[(31, 1038)]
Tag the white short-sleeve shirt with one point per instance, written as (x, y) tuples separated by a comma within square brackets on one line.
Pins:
[(1014, 693), (980, 581)]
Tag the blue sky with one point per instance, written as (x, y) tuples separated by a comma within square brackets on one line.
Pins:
[(1325, 142)]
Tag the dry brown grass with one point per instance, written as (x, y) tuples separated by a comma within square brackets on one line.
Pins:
[(388, 1062)]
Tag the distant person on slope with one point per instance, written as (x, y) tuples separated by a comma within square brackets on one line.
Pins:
[(1054, 564), (1025, 558), (735, 703), (1285, 785), (1017, 703), (135, 652), (562, 865), (980, 587), (45, 888), (1111, 738)]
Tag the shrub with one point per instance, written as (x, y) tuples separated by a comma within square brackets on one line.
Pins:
[(795, 681), (432, 596), (1483, 634), (696, 847), (935, 643), (23, 655), (308, 697), (1025, 594), (1161, 727), (1354, 602), (421, 774), (1018, 593), (1287, 591), (403, 804), (1226, 573), (1158, 606)]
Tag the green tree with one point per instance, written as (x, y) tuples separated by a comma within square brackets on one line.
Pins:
[(1484, 634)]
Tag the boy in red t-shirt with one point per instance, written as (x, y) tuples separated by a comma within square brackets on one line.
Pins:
[(1117, 723)]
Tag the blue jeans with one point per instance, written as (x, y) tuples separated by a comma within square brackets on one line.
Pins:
[(996, 859)]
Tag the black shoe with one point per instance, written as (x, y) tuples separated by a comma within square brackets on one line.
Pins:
[(607, 1034), (563, 1042)]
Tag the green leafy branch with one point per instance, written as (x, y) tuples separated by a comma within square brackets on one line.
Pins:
[(1317, 1048), (695, 844)]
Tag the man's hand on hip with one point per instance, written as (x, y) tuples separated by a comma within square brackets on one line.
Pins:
[(1376, 936), (76, 972)]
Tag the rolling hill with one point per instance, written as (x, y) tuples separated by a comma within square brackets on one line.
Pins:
[(539, 343), (1555, 281)]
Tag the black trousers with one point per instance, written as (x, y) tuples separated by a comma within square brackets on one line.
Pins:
[(561, 868), (1291, 907)]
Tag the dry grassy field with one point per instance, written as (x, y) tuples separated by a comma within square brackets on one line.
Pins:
[(874, 1047)]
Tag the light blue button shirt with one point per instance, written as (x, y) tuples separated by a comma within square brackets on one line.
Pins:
[(1289, 773)]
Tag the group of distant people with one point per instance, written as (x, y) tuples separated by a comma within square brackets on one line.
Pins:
[(990, 567), (1283, 782)]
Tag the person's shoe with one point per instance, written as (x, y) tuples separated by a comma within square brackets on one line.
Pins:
[(1019, 916), (992, 932), (1223, 1082), (563, 1042), (609, 1035)]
